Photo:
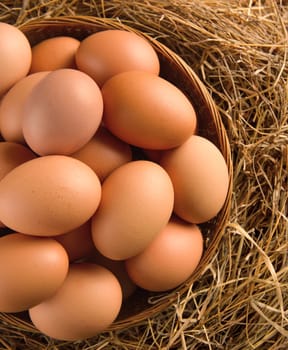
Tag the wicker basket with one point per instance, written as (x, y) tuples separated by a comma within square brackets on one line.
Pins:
[(145, 304)]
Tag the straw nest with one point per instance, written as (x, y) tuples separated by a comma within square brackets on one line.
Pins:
[(239, 50)]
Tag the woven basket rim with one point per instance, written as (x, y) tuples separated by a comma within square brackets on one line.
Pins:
[(37, 27)]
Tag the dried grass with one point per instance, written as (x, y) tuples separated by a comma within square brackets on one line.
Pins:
[(239, 50)]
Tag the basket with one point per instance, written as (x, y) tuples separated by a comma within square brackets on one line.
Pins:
[(144, 304)]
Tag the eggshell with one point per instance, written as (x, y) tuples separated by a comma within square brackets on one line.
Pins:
[(78, 243), (147, 111), (62, 113), (87, 303), (118, 268), (31, 270), (152, 154), (104, 153), (170, 258), (200, 179), (107, 53), (15, 58), (11, 108), (11, 155), (49, 195), (136, 203), (54, 53)]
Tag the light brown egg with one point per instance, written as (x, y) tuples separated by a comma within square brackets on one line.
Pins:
[(147, 111), (78, 243), (86, 304), (136, 203), (11, 108), (104, 153), (49, 195), (107, 53), (54, 53), (170, 259), (200, 179), (62, 113), (15, 58), (31, 270)]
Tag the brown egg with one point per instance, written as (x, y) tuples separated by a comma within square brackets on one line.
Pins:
[(118, 268), (11, 108), (54, 53), (15, 58), (107, 53), (170, 259), (136, 203), (78, 243), (31, 270), (152, 154), (200, 178), (11, 155), (104, 153), (147, 111), (49, 195), (86, 304), (62, 113)]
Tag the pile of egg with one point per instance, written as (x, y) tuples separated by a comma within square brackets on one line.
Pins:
[(103, 179)]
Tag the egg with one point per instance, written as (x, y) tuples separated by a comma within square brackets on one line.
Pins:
[(49, 195), (152, 154), (62, 113), (54, 53), (107, 53), (147, 111), (31, 270), (78, 242), (170, 259), (104, 153), (15, 58), (11, 108), (136, 203), (11, 155), (118, 268), (200, 179), (86, 304)]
